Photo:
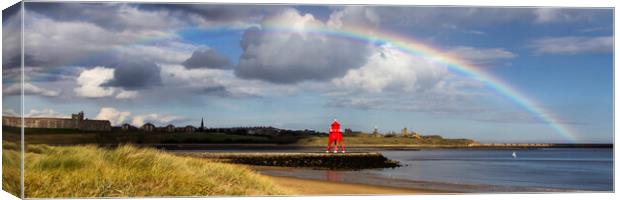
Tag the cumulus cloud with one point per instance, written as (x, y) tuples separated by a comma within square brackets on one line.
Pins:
[(208, 59), (296, 56), (450, 96), (390, 69), (114, 116), (113, 16), (90, 82), (157, 119), (209, 15), (117, 117), (114, 40), (29, 89), (354, 16), (219, 82), (46, 112), (136, 74), (393, 80), (481, 56), (40, 113), (571, 45), (95, 83)]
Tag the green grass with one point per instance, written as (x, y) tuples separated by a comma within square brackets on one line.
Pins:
[(64, 137), (369, 140), (212, 138), (68, 137), (127, 171), (10, 168)]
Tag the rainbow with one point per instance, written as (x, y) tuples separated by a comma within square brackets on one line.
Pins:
[(416, 48), (411, 47)]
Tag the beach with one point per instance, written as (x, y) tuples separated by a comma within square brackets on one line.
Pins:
[(315, 187)]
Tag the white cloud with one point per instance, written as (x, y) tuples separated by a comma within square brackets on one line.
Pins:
[(116, 117), (90, 81), (354, 15), (393, 70), (29, 89), (480, 56), (157, 119), (393, 80), (81, 39), (46, 112), (126, 94), (572, 45), (549, 15), (10, 112)]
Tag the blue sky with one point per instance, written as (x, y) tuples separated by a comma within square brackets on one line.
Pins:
[(137, 63)]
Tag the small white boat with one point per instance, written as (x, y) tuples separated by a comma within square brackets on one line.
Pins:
[(514, 154)]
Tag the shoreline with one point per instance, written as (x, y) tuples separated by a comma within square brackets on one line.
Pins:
[(366, 147), (352, 179), (302, 186), (298, 178)]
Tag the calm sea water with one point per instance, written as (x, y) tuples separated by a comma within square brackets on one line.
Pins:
[(565, 169), (468, 170)]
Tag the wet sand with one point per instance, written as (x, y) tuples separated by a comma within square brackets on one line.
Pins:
[(316, 187), (332, 185)]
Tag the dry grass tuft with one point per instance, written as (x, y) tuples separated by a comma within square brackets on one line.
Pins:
[(128, 171)]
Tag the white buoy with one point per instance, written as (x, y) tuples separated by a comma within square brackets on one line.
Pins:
[(514, 154)]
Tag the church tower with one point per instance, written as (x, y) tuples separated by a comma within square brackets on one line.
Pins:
[(202, 124)]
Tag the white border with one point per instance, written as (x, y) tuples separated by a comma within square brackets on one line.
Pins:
[(538, 3)]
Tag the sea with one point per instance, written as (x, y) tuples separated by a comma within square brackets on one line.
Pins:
[(483, 170)]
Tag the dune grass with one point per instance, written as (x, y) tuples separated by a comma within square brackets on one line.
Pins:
[(10, 168), (127, 171)]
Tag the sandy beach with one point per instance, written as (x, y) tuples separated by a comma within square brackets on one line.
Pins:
[(316, 187)]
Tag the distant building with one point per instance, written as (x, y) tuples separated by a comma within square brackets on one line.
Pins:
[(375, 132), (259, 130), (405, 132), (148, 127), (189, 129), (202, 125), (169, 128), (416, 135), (350, 132), (128, 127), (76, 121)]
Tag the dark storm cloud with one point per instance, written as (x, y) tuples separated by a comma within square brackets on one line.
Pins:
[(207, 59), (11, 37), (112, 16), (122, 16), (134, 75), (298, 58), (15, 61), (216, 12)]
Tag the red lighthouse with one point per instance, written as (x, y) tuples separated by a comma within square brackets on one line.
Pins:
[(335, 136)]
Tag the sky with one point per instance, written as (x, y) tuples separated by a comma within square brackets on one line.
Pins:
[(492, 74)]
